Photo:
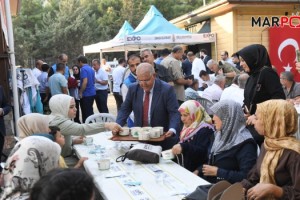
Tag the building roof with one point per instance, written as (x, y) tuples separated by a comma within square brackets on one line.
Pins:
[(205, 12)]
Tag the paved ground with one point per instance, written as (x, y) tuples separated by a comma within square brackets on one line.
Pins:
[(111, 103)]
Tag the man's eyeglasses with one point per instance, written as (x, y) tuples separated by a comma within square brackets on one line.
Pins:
[(145, 81)]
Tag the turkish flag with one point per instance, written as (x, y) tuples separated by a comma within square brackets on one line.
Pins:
[(283, 43)]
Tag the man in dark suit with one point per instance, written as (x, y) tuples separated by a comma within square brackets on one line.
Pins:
[(187, 64), (4, 109), (162, 105), (205, 58)]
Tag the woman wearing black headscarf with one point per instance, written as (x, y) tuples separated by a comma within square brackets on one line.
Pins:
[(262, 85)]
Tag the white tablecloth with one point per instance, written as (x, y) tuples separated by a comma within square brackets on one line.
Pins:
[(165, 180)]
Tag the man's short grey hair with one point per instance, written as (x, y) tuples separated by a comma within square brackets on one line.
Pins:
[(235, 79), (219, 79), (176, 49), (145, 67), (145, 49), (242, 80), (288, 76), (212, 62), (97, 61)]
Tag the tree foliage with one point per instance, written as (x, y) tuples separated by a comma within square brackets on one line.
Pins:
[(46, 28)]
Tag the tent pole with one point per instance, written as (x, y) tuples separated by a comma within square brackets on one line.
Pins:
[(126, 54), (101, 55), (12, 62)]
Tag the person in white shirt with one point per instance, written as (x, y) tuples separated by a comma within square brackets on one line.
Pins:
[(117, 75), (225, 57), (197, 66), (235, 91), (43, 79), (101, 86), (208, 79), (214, 92), (37, 71), (133, 61)]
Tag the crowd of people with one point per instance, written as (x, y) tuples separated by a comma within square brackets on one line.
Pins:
[(246, 135)]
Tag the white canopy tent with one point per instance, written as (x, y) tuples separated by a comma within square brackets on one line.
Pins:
[(118, 40), (154, 32)]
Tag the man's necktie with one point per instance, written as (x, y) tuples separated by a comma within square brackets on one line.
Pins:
[(146, 109)]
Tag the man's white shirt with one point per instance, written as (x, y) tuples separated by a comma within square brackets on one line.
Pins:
[(234, 93)]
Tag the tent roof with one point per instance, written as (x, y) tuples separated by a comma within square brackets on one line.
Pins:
[(124, 30), (155, 23), (119, 38)]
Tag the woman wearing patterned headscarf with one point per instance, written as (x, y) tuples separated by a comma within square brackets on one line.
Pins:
[(30, 159), (276, 174), (262, 85), (234, 151), (196, 135)]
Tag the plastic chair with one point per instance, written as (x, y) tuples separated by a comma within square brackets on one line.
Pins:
[(217, 189), (235, 192), (100, 117), (206, 103)]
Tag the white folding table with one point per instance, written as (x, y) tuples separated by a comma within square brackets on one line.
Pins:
[(134, 180)]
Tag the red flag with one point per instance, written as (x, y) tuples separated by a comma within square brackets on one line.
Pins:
[(283, 42)]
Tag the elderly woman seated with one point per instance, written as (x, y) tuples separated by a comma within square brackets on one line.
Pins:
[(30, 159), (276, 174), (234, 151), (196, 136)]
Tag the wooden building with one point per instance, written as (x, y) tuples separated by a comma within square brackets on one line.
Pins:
[(232, 21)]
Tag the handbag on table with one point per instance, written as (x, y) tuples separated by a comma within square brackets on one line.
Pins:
[(145, 153)]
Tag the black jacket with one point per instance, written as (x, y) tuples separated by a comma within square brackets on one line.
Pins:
[(268, 87), (196, 149), (233, 164), (162, 73)]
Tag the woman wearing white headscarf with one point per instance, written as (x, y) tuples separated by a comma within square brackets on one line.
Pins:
[(63, 109), (30, 159), (234, 151)]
